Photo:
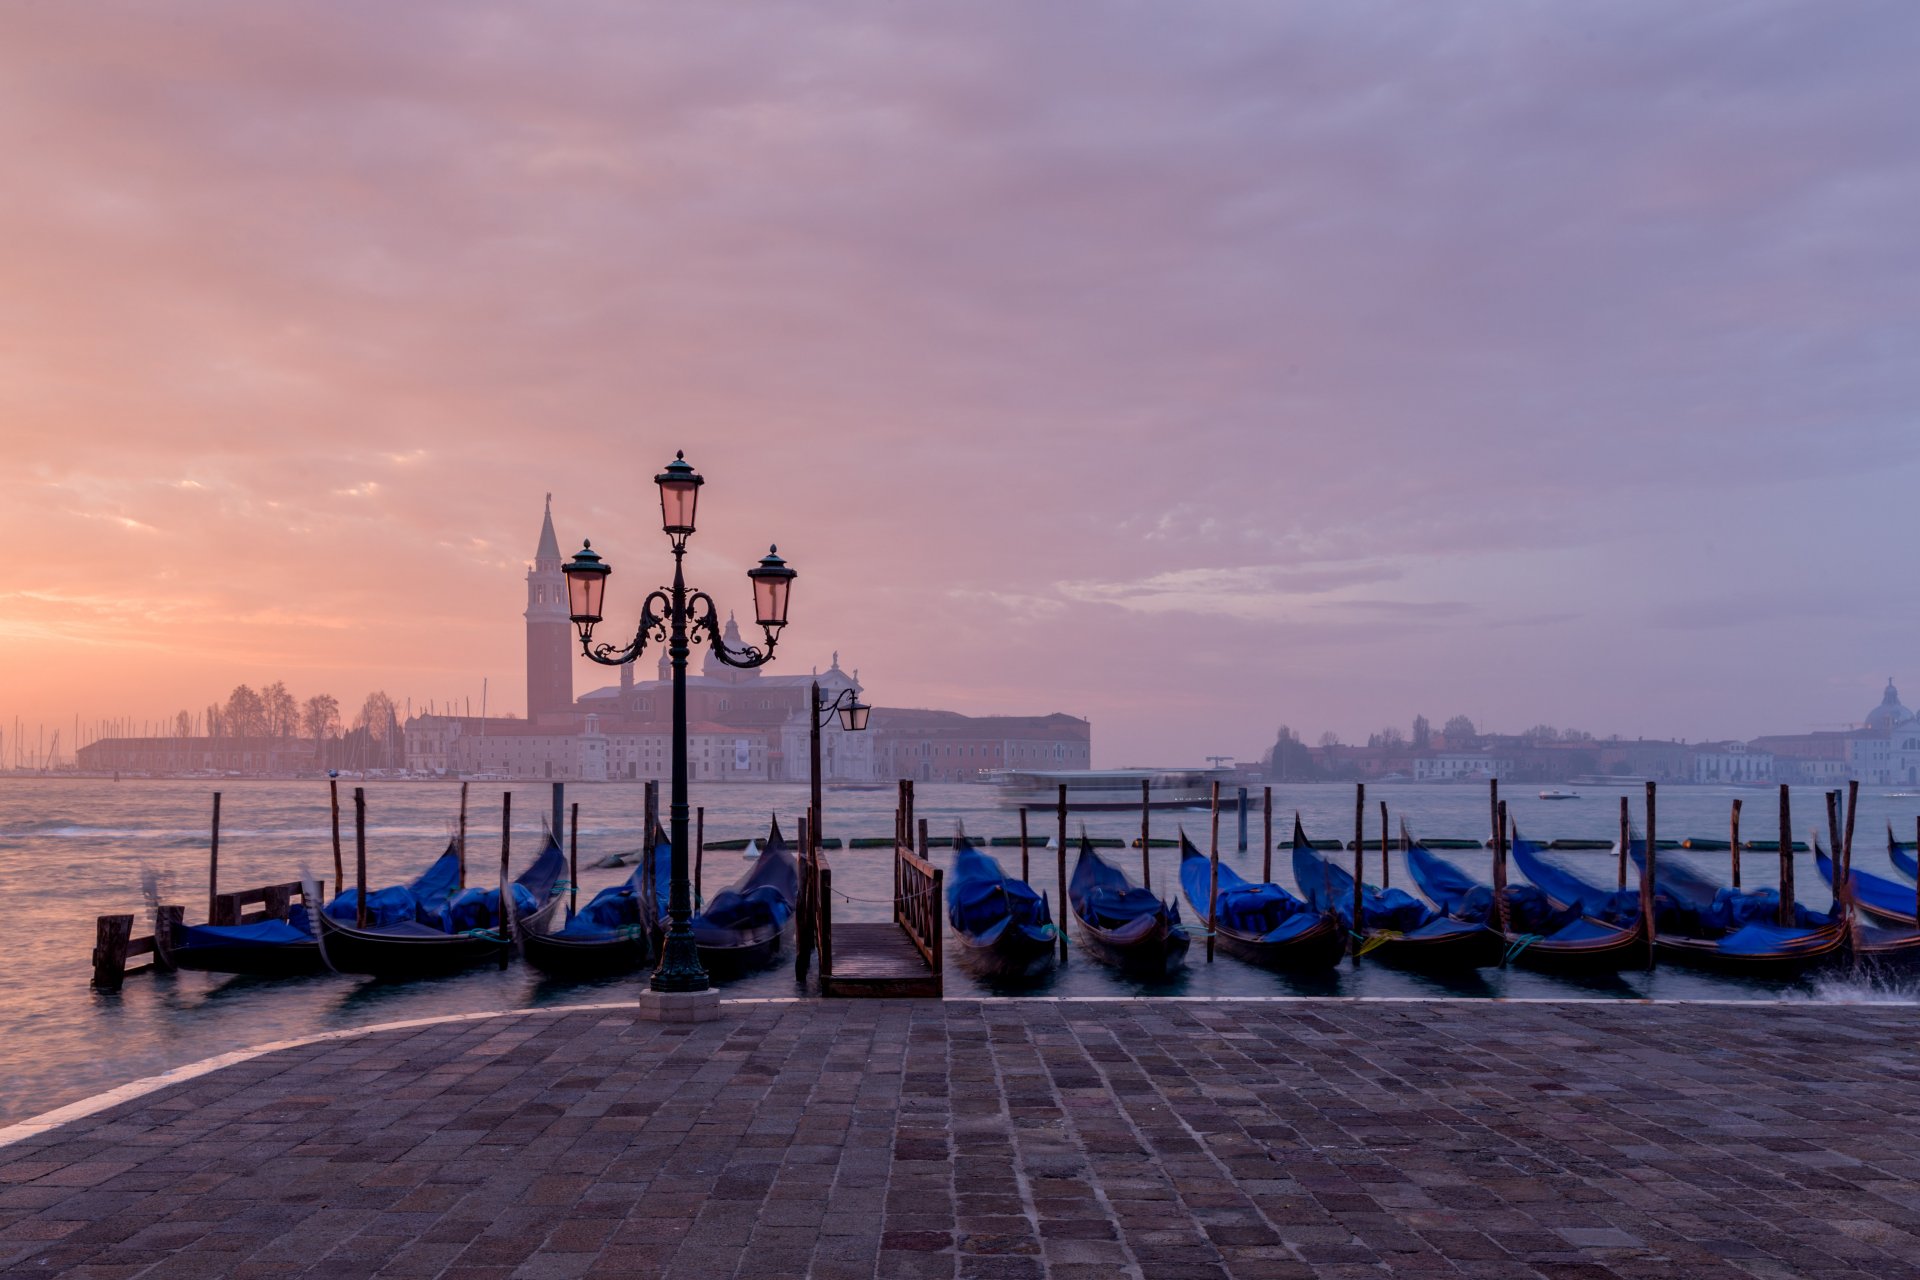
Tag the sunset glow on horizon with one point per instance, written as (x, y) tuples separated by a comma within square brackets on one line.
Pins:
[(1191, 369)]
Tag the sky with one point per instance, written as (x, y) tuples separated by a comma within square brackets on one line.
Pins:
[(1193, 368)]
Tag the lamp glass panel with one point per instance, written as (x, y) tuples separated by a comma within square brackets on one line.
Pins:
[(770, 600), (584, 593), (677, 502)]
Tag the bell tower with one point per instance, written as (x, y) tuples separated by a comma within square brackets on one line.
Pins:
[(549, 631)]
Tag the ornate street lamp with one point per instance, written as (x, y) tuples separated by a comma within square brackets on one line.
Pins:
[(678, 618), (853, 718)]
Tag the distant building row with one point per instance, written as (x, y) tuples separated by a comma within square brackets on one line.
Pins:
[(1885, 751)]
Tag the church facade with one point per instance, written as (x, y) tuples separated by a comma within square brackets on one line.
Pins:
[(742, 725)]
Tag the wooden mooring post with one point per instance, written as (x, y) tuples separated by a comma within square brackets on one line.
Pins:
[(1386, 871), (1359, 861), (1025, 874), (1146, 831), (1734, 843), (112, 936), (1647, 876), (1213, 867), (360, 856), (460, 849), (1501, 906), (213, 860), (1625, 828), (333, 797), (700, 847), (1266, 839), (1060, 851), (1786, 857), (807, 926), (1846, 852), (573, 863)]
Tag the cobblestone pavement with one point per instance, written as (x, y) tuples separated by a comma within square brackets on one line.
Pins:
[(1096, 1139)]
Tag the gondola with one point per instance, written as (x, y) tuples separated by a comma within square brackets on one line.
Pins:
[(291, 947), (1262, 924), (1541, 935), (739, 930), (1876, 945), (1395, 928), (1122, 924), (1708, 926), (1887, 901), (601, 940), (1908, 864), (1004, 928), (468, 930)]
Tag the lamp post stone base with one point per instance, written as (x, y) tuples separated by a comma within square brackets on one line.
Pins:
[(680, 1006)]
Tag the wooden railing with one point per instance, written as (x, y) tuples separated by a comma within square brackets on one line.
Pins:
[(918, 903), (114, 944)]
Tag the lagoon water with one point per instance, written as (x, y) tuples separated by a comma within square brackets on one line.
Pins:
[(74, 849)]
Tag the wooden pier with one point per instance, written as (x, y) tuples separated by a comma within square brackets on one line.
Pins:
[(899, 958)]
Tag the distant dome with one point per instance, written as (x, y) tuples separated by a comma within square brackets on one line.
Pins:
[(1889, 713)]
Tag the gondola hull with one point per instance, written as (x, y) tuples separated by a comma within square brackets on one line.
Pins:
[(260, 960), (1316, 950), (1815, 949), (1148, 954), (407, 953), (1011, 955), (744, 953), (1447, 953), (1894, 953), (559, 956), (1586, 959)]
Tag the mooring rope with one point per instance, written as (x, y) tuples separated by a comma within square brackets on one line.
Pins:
[(917, 893), (1520, 943), (1373, 940)]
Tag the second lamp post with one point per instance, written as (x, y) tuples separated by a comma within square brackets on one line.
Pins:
[(853, 718)]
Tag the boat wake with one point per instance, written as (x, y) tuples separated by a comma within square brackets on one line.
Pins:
[(1860, 989)]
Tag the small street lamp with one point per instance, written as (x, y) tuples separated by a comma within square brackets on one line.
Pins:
[(678, 618), (853, 718)]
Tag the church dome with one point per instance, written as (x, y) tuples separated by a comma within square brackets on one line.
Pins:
[(1889, 713)]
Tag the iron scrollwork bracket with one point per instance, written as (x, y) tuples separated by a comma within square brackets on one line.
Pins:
[(653, 623), (705, 618)]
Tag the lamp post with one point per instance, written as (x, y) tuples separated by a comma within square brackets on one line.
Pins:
[(678, 618), (853, 718)]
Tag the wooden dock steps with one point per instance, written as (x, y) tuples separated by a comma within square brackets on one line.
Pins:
[(903, 957), (876, 960)]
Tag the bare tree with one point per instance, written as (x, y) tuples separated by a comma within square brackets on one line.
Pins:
[(376, 716), (320, 717), (1329, 739), (245, 717), (183, 724), (280, 714)]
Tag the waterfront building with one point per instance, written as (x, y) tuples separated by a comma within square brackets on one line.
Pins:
[(1807, 759), (1885, 750), (945, 746), (1458, 766), (743, 725), (200, 755), (1725, 762)]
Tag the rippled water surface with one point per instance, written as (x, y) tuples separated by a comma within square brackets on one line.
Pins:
[(74, 849)]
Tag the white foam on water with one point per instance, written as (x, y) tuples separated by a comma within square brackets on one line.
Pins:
[(1858, 990)]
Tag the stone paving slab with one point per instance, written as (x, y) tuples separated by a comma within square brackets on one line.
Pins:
[(1014, 1139)]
